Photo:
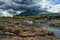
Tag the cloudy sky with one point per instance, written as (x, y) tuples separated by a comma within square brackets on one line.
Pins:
[(15, 7)]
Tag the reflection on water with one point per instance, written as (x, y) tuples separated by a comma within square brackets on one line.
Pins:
[(53, 28), (57, 33), (46, 27)]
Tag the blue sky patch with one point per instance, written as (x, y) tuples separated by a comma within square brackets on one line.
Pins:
[(54, 2)]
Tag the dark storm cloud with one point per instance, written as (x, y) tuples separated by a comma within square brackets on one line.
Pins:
[(16, 4), (13, 7)]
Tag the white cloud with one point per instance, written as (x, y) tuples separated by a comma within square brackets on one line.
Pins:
[(46, 4), (15, 7), (9, 12), (55, 8)]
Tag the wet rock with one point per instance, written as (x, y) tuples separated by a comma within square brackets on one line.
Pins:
[(17, 30), (49, 33), (53, 23), (1, 32)]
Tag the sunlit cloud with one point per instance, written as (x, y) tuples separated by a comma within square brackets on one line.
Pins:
[(16, 7)]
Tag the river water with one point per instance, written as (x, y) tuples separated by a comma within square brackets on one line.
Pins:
[(55, 29)]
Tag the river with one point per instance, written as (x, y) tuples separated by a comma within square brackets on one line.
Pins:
[(55, 29)]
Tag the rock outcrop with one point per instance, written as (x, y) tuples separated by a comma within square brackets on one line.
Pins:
[(15, 29)]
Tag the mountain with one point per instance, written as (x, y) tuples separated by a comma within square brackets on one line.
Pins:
[(30, 12), (36, 12)]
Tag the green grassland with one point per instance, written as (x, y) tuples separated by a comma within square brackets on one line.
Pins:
[(36, 17), (48, 16)]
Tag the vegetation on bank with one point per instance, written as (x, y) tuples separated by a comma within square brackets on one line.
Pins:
[(42, 16)]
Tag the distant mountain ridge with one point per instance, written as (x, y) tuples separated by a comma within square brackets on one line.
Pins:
[(34, 12), (31, 12)]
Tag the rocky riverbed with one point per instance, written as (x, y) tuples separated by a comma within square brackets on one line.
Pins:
[(21, 29)]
